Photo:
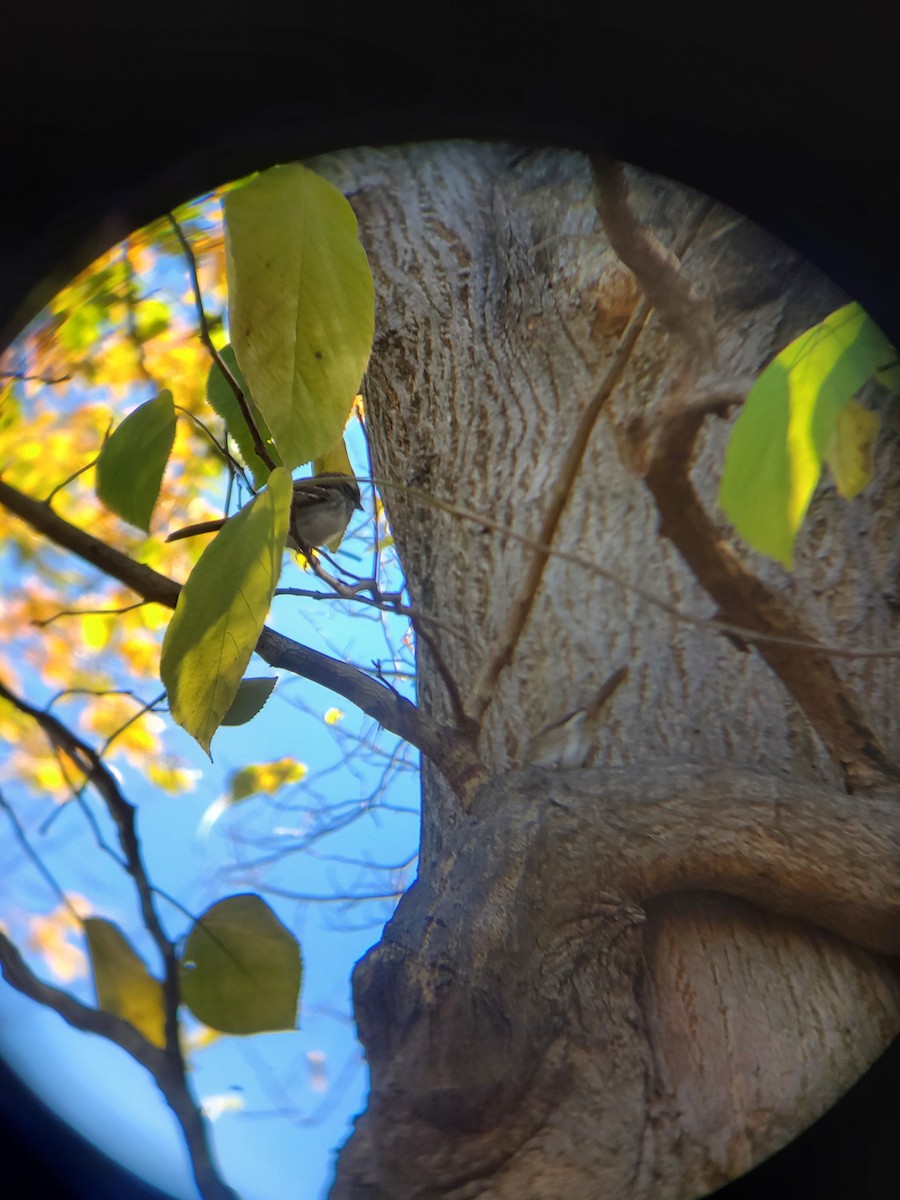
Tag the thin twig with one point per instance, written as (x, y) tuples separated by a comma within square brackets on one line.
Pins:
[(206, 337), (70, 479), (44, 871), (88, 612), (225, 454), (23, 377)]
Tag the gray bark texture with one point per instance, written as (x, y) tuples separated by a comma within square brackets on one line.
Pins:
[(639, 971)]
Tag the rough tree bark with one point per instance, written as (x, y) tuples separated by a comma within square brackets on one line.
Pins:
[(638, 976)]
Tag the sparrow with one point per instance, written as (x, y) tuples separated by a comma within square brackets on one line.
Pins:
[(567, 743), (321, 508)]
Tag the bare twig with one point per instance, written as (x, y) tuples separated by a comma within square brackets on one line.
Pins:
[(167, 1066), (26, 378), (35, 858), (88, 612), (258, 444), (570, 464)]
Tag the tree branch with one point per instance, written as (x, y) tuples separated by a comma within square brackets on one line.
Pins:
[(169, 1079), (680, 307), (666, 453), (794, 848), (449, 750), (656, 268), (206, 338)]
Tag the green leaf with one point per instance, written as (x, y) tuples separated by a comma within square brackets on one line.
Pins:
[(221, 611), (131, 464), (251, 696), (223, 401), (301, 305), (123, 984), (774, 458), (241, 968)]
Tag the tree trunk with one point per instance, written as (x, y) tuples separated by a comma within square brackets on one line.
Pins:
[(638, 972)]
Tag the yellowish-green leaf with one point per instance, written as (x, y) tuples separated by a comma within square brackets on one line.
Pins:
[(774, 458), (221, 611), (301, 305), (123, 984), (131, 464), (851, 455), (251, 696), (223, 401), (265, 778), (241, 968)]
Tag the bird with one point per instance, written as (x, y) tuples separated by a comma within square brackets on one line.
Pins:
[(567, 743), (321, 508)]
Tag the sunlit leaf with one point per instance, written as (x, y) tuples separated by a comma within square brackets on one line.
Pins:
[(301, 305), (131, 464), (124, 985), (332, 716), (241, 968), (774, 458), (221, 610), (251, 696), (222, 400), (171, 778), (265, 778), (851, 454)]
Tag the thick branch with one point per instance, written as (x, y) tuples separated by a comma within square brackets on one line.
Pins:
[(746, 600), (666, 453), (447, 749), (655, 267), (793, 848)]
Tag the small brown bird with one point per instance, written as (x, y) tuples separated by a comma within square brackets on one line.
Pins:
[(321, 509), (567, 743)]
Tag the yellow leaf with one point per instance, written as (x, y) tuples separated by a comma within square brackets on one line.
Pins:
[(170, 778), (124, 985), (851, 452), (265, 778), (332, 716)]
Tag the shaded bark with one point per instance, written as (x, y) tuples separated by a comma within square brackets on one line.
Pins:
[(639, 978)]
